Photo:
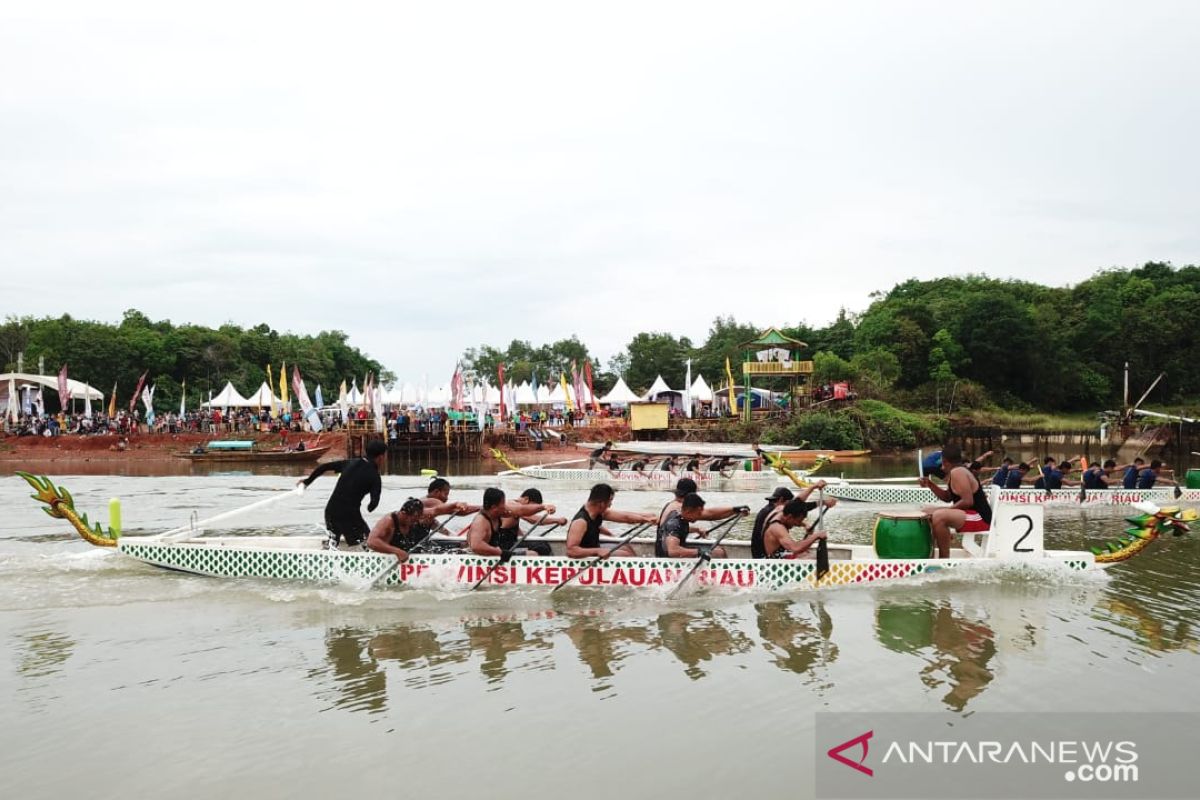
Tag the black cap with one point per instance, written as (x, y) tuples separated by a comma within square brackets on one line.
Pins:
[(781, 493), (684, 487)]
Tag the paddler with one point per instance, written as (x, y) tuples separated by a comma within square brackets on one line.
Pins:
[(437, 501), (1129, 479), (684, 487), (583, 534), (483, 535), (1096, 476), (529, 504), (672, 542), (400, 531), (357, 478), (1152, 475), (968, 512), (601, 454), (777, 541), (1016, 475), (774, 508)]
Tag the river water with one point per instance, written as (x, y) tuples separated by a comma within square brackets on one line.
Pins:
[(124, 680)]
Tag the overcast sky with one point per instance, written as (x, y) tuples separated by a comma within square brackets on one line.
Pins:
[(432, 176)]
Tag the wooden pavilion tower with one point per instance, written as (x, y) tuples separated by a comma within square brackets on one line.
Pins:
[(781, 360)]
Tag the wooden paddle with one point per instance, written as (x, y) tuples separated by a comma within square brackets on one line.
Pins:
[(822, 546), (196, 527), (1083, 479), (634, 531), (701, 559), (501, 558)]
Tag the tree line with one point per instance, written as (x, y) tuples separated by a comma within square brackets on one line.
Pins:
[(101, 354), (974, 341)]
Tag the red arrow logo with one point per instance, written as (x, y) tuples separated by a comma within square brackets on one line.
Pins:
[(836, 752)]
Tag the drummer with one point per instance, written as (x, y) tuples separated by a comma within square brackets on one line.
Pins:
[(968, 512)]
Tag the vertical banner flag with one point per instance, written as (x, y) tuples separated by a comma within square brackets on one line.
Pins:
[(533, 385), (283, 395), (148, 401), (732, 398), (12, 400), (87, 404), (377, 404), (320, 400), (306, 406), (456, 389), (137, 392), (562, 379), (270, 389), (576, 385), (500, 375), (39, 402), (687, 391), (343, 402), (64, 394), (112, 404), (27, 400), (587, 368), (183, 401)]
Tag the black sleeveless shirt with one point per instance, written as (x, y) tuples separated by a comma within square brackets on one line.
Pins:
[(591, 537), (979, 502)]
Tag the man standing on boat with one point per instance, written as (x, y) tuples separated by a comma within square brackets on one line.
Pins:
[(969, 511), (777, 541), (357, 478), (583, 534)]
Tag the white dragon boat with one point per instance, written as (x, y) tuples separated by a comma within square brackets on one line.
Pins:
[(891, 494), (1016, 538), (735, 478)]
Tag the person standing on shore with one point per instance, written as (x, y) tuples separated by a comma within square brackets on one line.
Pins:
[(357, 478)]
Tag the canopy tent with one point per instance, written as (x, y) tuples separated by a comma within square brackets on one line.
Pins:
[(701, 393), (659, 387), (620, 395), (228, 398), (355, 396), (77, 389), (558, 397), (524, 394), (261, 398)]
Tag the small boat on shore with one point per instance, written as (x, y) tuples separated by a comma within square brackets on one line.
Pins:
[(246, 450), (891, 494), (901, 549)]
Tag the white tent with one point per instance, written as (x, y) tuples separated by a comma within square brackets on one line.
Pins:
[(439, 397), (261, 398), (620, 395), (659, 387), (524, 394), (77, 389), (228, 398), (701, 393), (408, 394), (354, 397)]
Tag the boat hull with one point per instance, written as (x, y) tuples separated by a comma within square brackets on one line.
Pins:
[(657, 480), (884, 494), (304, 561)]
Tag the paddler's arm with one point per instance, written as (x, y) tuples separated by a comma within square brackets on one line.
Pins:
[(376, 490), (938, 491), (524, 510), (380, 539), (629, 517), (328, 466), (723, 512)]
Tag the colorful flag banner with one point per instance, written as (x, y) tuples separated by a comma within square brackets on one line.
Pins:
[(562, 379), (112, 404), (148, 402), (343, 402), (64, 394), (306, 406), (183, 400), (283, 394), (320, 400), (732, 397), (587, 368), (687, 391), (500, 375), (87, 404), (137, 392), (271, 390)]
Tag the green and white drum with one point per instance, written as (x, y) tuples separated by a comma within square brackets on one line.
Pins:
[(901, 534), (1193, 479)]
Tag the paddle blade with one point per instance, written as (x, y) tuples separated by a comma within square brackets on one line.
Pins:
[(822, 559)]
